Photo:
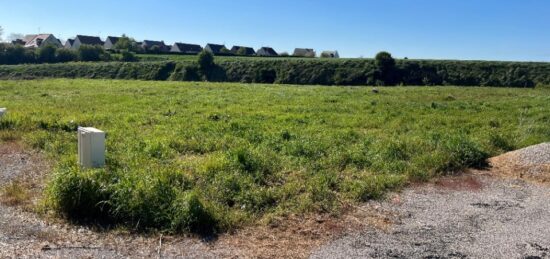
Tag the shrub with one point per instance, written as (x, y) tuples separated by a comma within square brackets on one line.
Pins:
[(126, 43), (266, 76), (65, 55), (127, 56), (90, 53), (15, 54), (384, 61), (184, 72), (205, 60), (46, 54)]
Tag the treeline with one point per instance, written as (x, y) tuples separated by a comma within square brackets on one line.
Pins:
[(11, 54), (406, 72), (380, 71)]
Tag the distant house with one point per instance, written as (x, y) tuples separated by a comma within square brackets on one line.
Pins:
[(86, 40), (247, 51), (266, 52), (186, 48), (110, 42), (299, 52), (18, 42), (29, 37), (330, 54), (149, 45), (38, 40), (69, 44), (215, 49)]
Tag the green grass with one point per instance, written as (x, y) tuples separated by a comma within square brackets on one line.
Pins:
[(205, 157)]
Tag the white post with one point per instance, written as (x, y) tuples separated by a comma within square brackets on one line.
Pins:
[(91, 147)]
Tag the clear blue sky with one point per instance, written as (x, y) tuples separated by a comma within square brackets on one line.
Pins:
[(440, 29)]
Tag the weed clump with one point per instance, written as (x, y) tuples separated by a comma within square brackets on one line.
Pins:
[(460, 153), (81, 195)]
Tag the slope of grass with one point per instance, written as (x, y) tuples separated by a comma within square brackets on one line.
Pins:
[(210, 157)]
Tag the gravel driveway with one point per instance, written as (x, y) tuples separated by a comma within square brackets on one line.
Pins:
[(476, 215)]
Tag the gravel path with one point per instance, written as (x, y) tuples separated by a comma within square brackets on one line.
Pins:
[(477, 215)]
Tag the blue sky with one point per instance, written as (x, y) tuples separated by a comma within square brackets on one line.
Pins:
[(438, 29)]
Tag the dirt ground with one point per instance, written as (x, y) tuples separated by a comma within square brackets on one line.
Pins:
[(499, 213)]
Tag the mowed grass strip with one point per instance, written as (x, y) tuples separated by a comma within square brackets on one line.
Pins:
[(204, 157)]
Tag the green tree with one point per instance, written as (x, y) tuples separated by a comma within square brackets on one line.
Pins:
[(46, 54), (384, 61), (387, 73), (125, 43), (206, 61)]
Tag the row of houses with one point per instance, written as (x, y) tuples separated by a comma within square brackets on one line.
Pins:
[(37, 40)]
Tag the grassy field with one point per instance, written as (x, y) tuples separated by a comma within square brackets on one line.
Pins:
[(211, 157)]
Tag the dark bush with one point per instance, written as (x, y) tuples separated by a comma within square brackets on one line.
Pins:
[(186, 72), (127, 56), (90, 53), (46, 54), (65, 55), (206, 61), (15, 54)]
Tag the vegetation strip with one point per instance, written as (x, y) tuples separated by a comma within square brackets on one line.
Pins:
[(383, 70)]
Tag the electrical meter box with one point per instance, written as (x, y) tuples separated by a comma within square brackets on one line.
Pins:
[(91, 147)]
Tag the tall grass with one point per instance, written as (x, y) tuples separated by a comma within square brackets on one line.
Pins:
[(205, 157)]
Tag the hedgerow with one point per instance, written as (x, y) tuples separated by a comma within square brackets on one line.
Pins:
[(302, 72)]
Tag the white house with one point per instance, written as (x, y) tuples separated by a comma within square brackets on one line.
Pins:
[(38, 40)]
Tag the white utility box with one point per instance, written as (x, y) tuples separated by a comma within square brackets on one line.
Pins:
[(91, 147), (2, 111)]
